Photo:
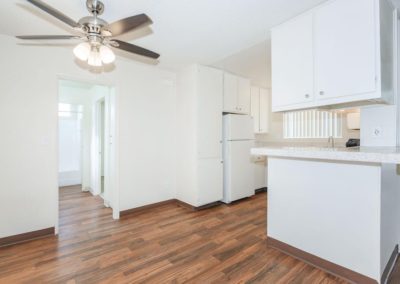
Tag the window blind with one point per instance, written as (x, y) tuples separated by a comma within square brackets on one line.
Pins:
[(312, 124)]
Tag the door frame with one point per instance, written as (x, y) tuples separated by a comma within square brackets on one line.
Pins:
[(114, 122), (97, 153)]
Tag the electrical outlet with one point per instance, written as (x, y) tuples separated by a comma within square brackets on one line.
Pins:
[(377, 132)]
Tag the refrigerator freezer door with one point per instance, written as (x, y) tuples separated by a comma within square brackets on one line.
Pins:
[(238, 171), (238, 127)]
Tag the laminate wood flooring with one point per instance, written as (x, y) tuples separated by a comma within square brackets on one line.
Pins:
[(169, 244)]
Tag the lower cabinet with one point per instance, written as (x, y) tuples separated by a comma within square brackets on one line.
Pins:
[(210, 181), (260, 172)]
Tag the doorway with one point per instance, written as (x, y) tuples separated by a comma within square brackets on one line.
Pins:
[(86, 144)]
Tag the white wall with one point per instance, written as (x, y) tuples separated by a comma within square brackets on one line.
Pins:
[(70, 149), (253, 63), (28, 119), (379, 126), (80, 94)]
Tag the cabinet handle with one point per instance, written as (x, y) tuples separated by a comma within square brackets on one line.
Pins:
[(321, 93), (307, 96)]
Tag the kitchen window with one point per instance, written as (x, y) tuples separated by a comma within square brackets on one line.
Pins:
[(312, 124)]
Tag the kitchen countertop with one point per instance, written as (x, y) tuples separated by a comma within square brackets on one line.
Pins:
[(387, 155)]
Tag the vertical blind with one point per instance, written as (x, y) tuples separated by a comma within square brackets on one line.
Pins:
[(312, 124)]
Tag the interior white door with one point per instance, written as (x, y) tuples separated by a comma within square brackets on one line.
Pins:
[(209, 99), (243, 95), (255, 107), (345, 48), (264, 110), (230, 93), (292, 62), (241, 170)]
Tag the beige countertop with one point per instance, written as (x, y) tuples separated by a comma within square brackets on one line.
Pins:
[(388, 155)]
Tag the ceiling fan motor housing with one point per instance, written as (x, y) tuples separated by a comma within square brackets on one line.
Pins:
[(95, 7), (92, 25)]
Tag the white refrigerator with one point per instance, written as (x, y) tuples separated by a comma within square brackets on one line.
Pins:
[(238, 139)]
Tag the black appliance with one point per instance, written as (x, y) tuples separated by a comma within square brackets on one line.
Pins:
[(353, 143)]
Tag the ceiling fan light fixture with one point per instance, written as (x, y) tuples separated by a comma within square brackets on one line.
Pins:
[(106, 54), (97, 34), (82, 51), (94, 58)]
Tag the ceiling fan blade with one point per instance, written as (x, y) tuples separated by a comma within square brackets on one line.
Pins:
[(135, 49), (125, 25), (55, 13), (44, 37)]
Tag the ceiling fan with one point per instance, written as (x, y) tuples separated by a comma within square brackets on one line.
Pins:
[(97, 34)]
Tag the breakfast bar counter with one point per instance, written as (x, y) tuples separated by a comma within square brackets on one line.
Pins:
[(336, 208)]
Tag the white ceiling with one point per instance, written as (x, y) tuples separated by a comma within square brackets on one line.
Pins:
[(184, 31), (253, 63)]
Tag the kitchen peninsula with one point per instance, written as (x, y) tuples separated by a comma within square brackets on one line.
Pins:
[(335, 208)]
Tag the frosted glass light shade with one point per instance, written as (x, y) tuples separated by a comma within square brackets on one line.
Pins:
[(94, 58), (82, 51), (106, 54)]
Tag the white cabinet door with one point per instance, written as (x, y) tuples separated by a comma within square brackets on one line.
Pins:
[(230, 93), (209, 112), (264, 111), (243, 95), (255, 107), (260, 171), (210, 181), (292, 62), (345, 48)]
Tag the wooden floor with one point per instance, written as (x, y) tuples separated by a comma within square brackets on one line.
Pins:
[(170, 244)]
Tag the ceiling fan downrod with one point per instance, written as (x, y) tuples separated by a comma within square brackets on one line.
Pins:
[(95, 7)]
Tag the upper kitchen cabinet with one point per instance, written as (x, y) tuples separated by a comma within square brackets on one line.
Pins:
[(292, 62), (260, 109), (339, 53), (243, 95), (236, 94), (345, 49)]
